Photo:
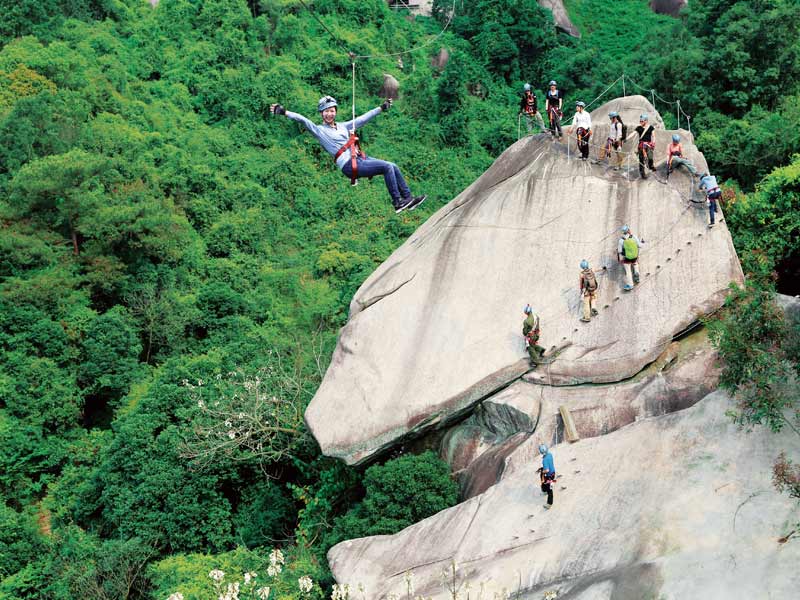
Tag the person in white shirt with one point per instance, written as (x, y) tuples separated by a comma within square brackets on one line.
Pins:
[(582, 122), (614, 141)]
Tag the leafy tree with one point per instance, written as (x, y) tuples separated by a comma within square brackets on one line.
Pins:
[(399, 493)]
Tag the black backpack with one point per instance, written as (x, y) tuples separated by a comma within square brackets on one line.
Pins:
[(624, 130)]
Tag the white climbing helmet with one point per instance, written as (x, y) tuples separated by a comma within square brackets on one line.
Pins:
[(584, 264), (644, 117), (625, 229), (542, 448), (527, 87), (326, 102)]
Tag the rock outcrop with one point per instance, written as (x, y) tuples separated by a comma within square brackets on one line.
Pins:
[(683, 374), (668, 7), (437, 327), (677, 506), (560, 16)]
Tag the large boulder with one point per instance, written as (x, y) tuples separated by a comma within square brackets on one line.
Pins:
[(437, 327), (677, 506), (668, 7), (560, 16)]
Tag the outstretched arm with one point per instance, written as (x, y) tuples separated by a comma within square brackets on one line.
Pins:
[(366, 117)]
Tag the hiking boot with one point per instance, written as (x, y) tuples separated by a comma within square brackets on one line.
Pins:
[(616, 168), (584, 320), (636, 278), (416, 201), (594, 312), (402, 205), (548, 506), (642, 174), (627, 287), (710, 225)]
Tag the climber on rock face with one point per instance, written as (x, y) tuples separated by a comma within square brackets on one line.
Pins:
[(628, 254), (582, 122), (675, 153), (547, 474), (708, 183), (339, 140), (554, 100), (647, 144), (530, 330), (527, 107), (614, 140), (588, 287)]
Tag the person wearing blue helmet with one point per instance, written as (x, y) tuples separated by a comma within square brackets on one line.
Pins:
[(547, 474), (588, 289), (528, 107), (530, 331), (339, 140), (553, 101), (675, 157), (708, 183), (628, 254)]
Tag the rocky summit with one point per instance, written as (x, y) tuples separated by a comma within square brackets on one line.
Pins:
[(437, 327)]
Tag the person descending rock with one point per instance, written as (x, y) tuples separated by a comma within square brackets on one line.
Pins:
[(588, 287), (613, 141), (530, 330), (708, 183), (339, 140), (527, 107), (583, 123), (647, 144), (675, 154), (553, 101), (547, 474), (628, 254)]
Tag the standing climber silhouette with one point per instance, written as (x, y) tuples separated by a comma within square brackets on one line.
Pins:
[(553, 100), (628, 254), (530, 331), (339, 140), (547, 474)]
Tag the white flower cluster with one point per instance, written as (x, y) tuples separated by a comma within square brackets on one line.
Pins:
[(262, 593), (551, 595), (305, 584), (275, 563), (248, 577), (217, 575), (340, 591), (175, 596), (232, 593)]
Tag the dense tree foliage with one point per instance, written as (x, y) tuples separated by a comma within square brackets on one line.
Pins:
[(157, 228)]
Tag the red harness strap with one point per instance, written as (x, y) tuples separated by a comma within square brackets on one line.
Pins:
[(355, 152)]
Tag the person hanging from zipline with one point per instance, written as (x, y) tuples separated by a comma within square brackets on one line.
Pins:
[(340, 140)]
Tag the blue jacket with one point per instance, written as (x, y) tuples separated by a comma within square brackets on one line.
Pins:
[(333, 138), (548, 468), (708, 183)]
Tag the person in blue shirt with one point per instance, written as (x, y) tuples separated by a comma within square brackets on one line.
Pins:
[(708, 183), (339, 140), (547, 474)]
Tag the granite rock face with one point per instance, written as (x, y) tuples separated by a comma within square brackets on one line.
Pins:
[(676, 506), (437, 327), (682, 375), (560, 16)]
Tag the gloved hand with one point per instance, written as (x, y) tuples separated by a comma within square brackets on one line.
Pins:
[(387, 104), (277, 109)]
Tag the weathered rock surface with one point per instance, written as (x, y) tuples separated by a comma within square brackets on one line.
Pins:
[(390, 87), (668, 7), (677, 506), (560, 16), (682, 375), (437, 327)]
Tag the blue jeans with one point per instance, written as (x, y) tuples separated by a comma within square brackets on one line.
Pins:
[(395, 184), (712, 204)]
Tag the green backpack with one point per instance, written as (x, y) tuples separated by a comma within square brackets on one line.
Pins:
[(630, 248)]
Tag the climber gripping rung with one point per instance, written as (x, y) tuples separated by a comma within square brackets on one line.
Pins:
[(570, 432)]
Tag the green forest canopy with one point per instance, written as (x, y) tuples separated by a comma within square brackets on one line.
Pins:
[(158, 228)]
